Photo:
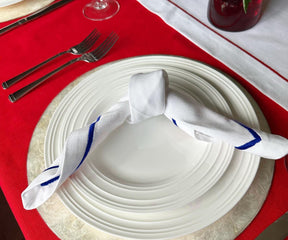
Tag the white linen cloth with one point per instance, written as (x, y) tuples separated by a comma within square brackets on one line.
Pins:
[(259, 55), (150, 96)]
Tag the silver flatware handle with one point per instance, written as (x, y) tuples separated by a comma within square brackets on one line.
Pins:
[(23, 91), (19, 77)]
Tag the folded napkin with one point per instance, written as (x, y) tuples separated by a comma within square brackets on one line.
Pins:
[(259, 54), (150, 96)]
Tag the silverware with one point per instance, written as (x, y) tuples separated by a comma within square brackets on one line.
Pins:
[(92, 56), (81, 48), (34, 15)]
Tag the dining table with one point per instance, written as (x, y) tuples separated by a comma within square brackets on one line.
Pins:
[(143, 31)]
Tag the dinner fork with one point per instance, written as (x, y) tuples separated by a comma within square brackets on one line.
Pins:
[(80, 48), (89, 57)]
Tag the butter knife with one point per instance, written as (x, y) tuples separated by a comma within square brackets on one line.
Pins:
[(277, 230), (34, 15)]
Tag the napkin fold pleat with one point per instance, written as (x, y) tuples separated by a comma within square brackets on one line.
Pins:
[(150, 96), (149, 99)]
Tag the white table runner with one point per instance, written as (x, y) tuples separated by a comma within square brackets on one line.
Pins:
[(259, 55)]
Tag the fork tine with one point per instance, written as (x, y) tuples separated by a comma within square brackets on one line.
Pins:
[(87, 43), (105, 46), (91, 36)]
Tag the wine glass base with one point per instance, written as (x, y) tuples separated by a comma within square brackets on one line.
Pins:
[(98, 14)]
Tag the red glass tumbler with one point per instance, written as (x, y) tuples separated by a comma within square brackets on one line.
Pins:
[(229, 15)]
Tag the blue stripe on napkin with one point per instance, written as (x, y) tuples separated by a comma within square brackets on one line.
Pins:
[(256, 139), (174, 121), (57, 166), (50, 181), (89, 142)]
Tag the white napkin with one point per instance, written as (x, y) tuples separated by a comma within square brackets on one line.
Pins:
[(259, 55), (149, 96)]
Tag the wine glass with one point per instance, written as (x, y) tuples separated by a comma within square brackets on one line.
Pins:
[(98, 10)]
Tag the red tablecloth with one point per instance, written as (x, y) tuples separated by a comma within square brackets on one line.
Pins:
[(141, 33)]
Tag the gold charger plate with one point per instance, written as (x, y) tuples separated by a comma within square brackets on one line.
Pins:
[(67, 226)]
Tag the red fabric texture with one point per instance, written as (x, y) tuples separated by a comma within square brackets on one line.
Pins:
[(141, 33)]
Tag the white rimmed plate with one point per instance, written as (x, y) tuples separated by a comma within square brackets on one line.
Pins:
[(217, 201), (170, 168)]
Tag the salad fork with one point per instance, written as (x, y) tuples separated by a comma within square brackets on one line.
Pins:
[(89, 57), (80, 48)]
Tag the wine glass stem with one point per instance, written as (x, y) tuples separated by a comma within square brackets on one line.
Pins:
[(99, 4)]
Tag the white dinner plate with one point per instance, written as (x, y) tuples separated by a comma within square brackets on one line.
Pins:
[(212, 204), (5, 3), (164, 168)]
